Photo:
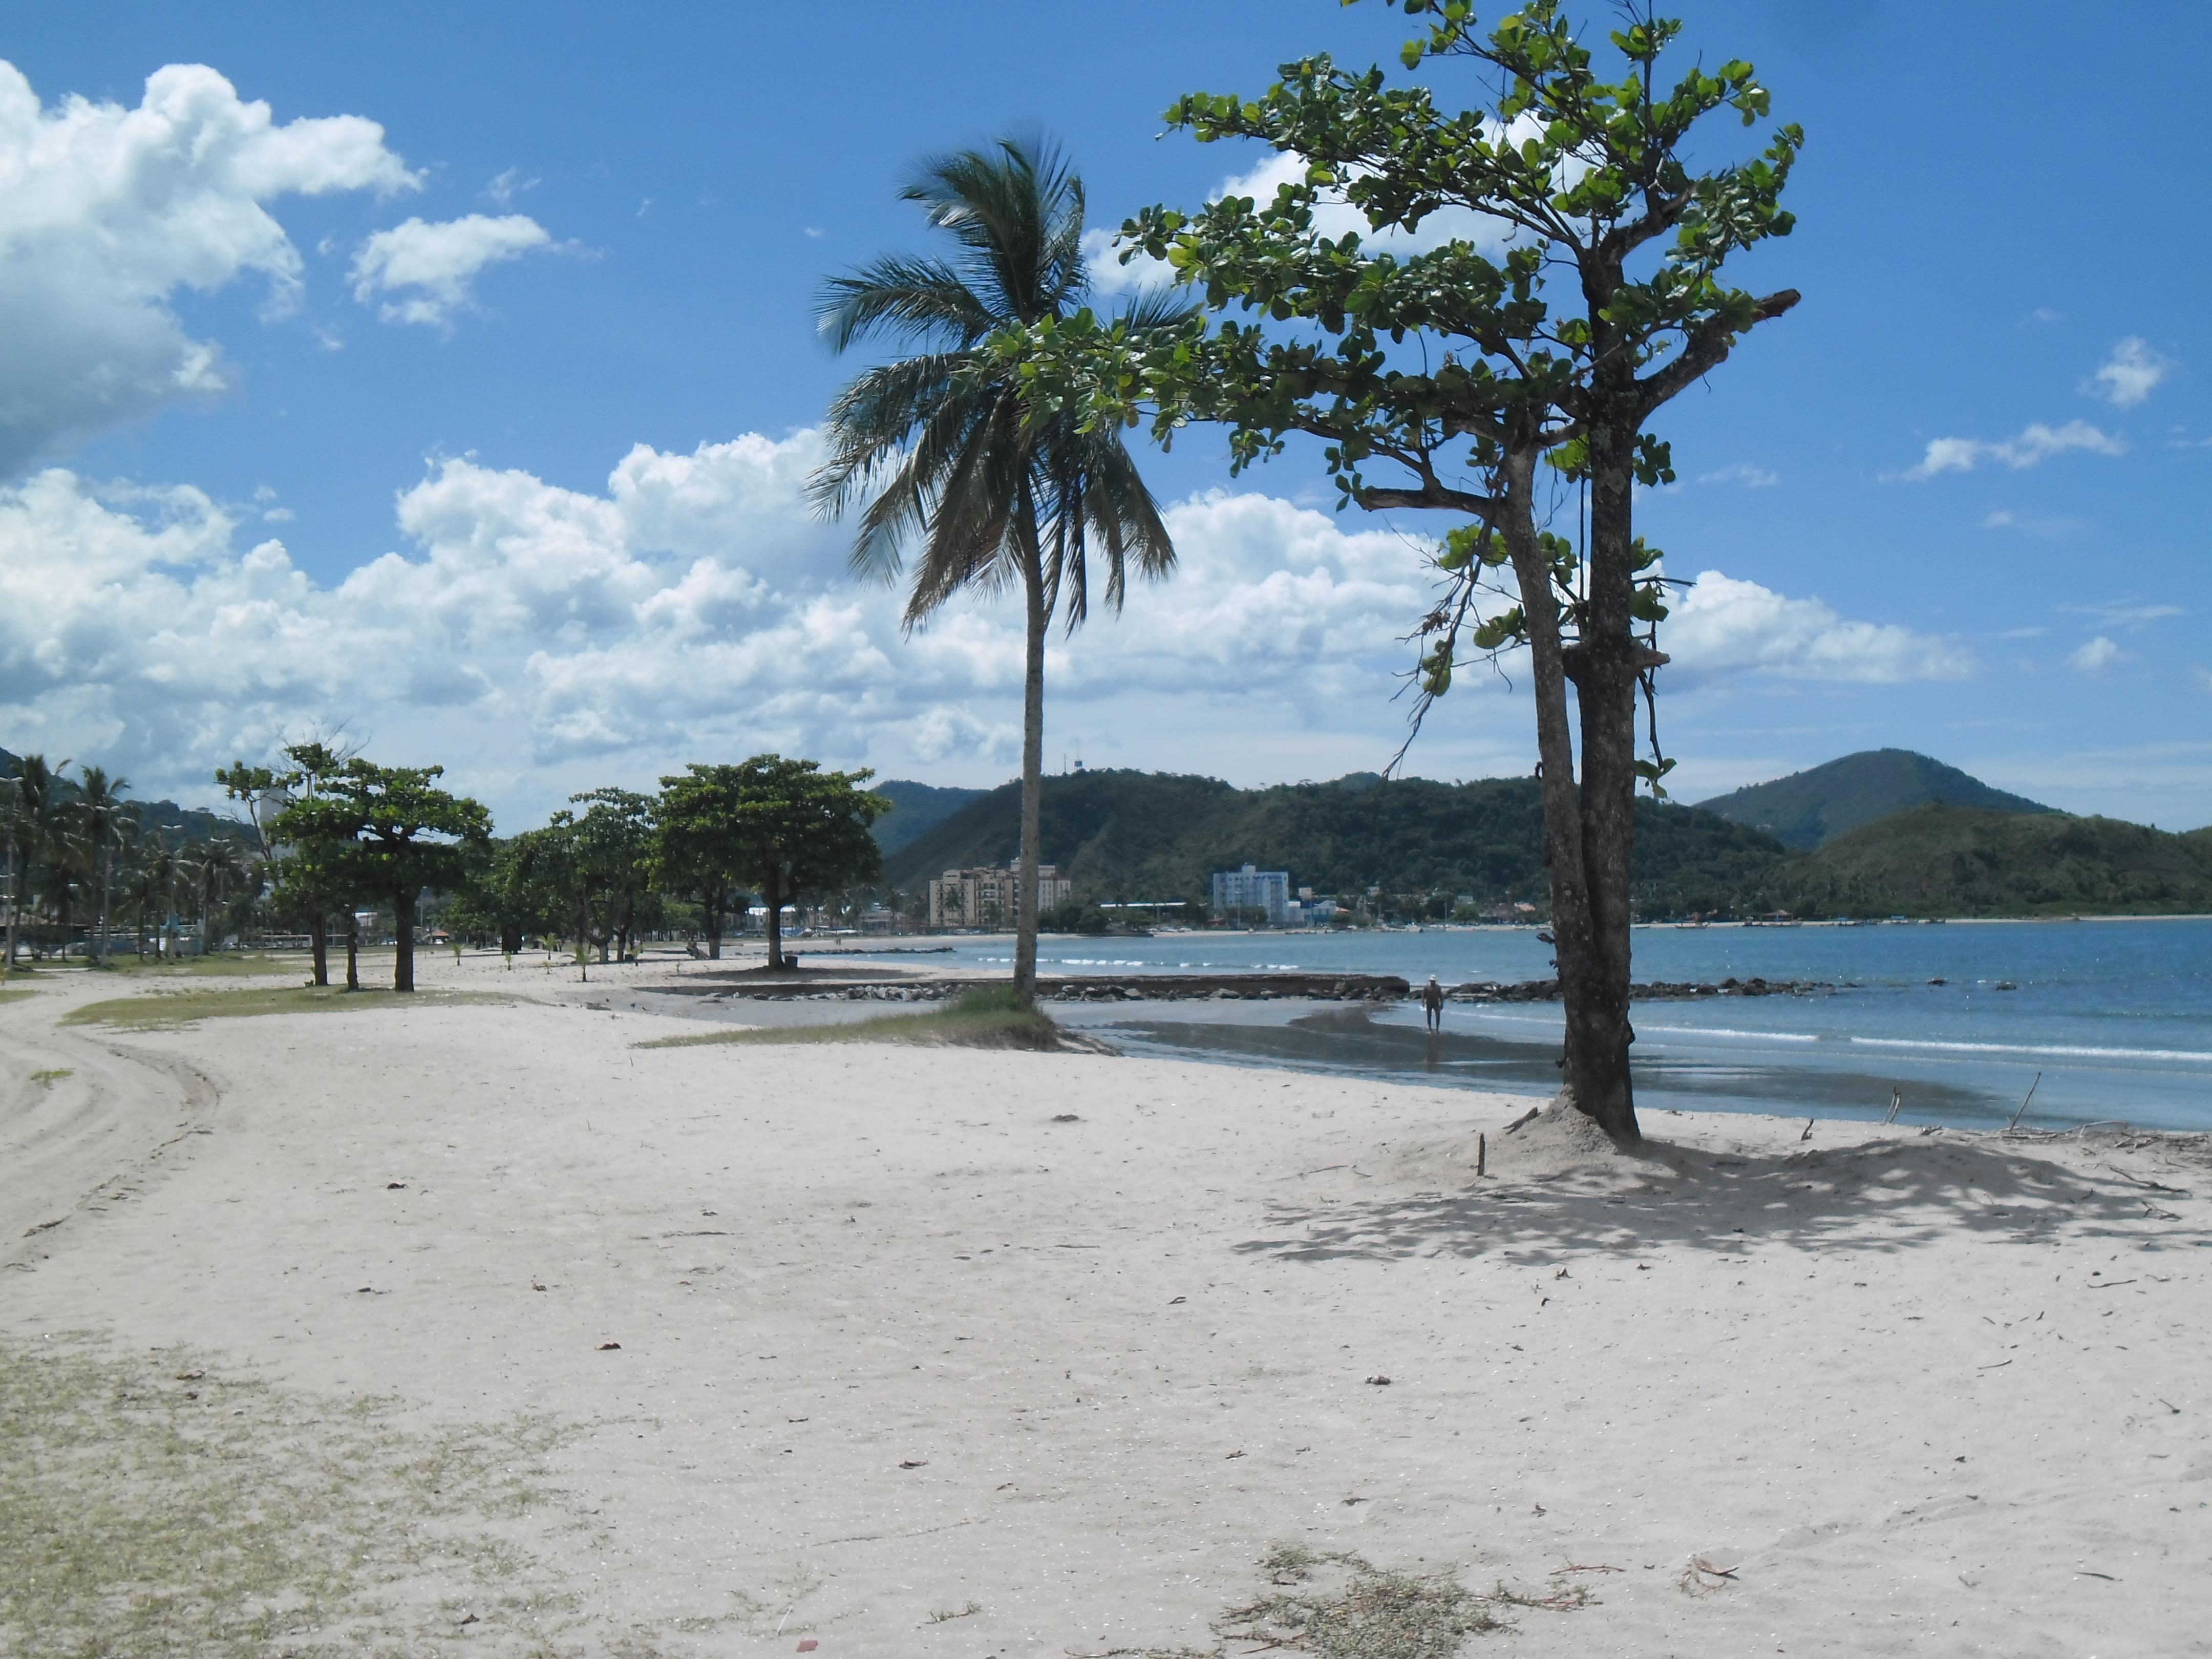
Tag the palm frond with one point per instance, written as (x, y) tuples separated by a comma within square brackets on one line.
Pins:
[(932, 455), (914, 298)]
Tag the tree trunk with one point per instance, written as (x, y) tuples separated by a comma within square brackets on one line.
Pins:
[(402, 957), (1604, 668), (318, 943), (775, 897), (16, 875), (100, 948), (1025, 889), (353, 952), (714, 930), (1563, 821)]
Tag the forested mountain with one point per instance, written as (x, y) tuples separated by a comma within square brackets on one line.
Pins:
[(1155, 835), (173, 824), (916, 809), (1936, 859), (1810, 807), (1122, 835)]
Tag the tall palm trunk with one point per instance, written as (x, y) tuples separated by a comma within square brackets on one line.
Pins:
[(1025, 897), (106, 879)]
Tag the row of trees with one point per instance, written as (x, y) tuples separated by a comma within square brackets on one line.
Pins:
[(714, 839), (78, 854), (335, 832)]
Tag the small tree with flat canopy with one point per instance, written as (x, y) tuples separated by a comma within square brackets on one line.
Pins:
[(610, 863), (697, 852), (307, 879), (390, 831), (786, 828)]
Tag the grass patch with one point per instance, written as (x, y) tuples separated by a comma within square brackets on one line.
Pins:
[(53, 1076), (227, 964), (995, 1018), (152, 1507), (165, 1010), (17, 996), (1344, 1606)]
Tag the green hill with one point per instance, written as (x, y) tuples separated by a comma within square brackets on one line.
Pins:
[(1938, 859), (1808, 808), (175, 824), (1122, 835), (916, 809)]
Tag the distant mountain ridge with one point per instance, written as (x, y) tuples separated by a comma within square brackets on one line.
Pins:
[(173, 824), (916, 809), (1811, 807), (1937, 859), (1129, 834)]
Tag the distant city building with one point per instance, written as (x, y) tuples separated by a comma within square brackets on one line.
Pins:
[(1250, 893), (985, 897)]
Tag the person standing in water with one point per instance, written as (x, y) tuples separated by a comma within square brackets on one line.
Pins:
[(1432, 1003)]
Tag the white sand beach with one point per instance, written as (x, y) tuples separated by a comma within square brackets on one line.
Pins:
[(944, 1352)]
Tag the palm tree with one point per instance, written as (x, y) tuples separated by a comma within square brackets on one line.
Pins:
[(941, 448), (106, 821), (212, 867), (11, 825), (148, 881), (38, 833)]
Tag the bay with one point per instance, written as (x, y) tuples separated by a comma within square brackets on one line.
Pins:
[(2115, 1015)]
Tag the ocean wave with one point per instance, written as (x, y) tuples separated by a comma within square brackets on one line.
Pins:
[(2052, 1051), (1729, 1031)]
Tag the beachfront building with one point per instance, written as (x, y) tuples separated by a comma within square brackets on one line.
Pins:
[(985, 897), (1250, 894)]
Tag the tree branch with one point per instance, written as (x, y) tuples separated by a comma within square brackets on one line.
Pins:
[(1443, 495), (1707, 349)]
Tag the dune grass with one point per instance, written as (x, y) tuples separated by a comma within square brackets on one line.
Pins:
[(162, 1010), (150, 1506), (994, 1019)]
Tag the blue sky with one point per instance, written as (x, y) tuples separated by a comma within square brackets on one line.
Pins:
[(478, 432)]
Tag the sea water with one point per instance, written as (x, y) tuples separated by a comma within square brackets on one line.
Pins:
[(2115, 1016)]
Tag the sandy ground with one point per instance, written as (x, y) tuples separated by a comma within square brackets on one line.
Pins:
[(1059, 1346)]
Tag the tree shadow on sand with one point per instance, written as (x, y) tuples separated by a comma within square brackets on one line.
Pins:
[(1882, 1196)]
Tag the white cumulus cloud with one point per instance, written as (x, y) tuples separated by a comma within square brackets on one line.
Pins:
[(2035, 445), (2131, 374), (2093, 657), (105, 212), (424, 271), (1723, 624), (540, 640)]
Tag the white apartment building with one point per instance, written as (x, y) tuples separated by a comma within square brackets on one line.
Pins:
[(985, 898), (1249, 894)]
